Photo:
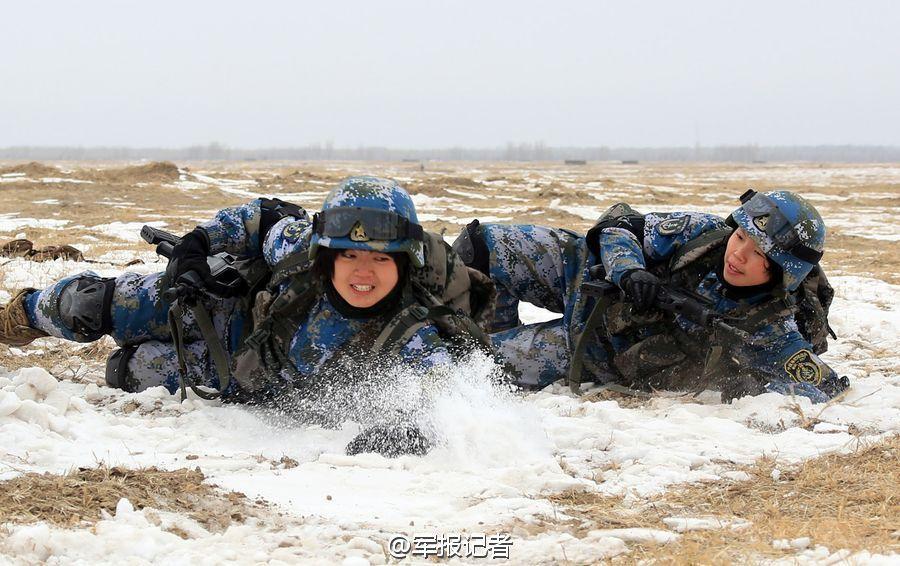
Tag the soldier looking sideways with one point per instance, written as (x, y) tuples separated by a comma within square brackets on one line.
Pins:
[(757, 270)]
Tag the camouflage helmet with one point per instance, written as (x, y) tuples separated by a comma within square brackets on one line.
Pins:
[(787, 228), (368, 213)]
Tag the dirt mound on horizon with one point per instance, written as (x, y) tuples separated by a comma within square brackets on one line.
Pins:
[(32, 169), (153, 172)]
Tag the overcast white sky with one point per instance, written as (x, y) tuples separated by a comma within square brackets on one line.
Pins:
[(435, 74)]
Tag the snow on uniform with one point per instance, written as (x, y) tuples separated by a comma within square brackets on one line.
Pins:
[(139, 313), (546, 267)]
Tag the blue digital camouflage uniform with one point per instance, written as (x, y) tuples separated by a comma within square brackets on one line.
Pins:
[(546, 267), (139, 313)]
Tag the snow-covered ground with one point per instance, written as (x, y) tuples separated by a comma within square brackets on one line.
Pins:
[(499, 455)]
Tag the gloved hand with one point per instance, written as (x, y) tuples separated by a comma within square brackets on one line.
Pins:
[(641, 287), (390, 441), (190, 255)]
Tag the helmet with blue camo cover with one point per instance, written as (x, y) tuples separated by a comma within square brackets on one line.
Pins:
[(787, 228), (372, 214)]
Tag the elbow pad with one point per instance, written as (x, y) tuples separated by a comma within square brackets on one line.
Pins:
[(274, 209), (619, 215)]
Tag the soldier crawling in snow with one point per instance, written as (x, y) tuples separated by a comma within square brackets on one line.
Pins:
[(759, 268), (359, 286)]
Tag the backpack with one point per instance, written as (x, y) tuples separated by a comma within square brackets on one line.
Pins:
[(814, 298)]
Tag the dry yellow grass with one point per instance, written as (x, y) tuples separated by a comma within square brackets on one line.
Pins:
[(849, 501), (77, 498)]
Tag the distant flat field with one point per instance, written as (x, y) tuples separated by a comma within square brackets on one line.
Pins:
[(99, 207)]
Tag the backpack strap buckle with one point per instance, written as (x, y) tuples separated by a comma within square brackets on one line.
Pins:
[(257, 337)]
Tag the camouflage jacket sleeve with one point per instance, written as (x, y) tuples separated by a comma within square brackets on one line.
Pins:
[(792, 368), (236, 230), (664, 234)]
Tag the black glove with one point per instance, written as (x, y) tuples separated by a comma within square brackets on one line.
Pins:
[(641, 287), (190, 256), (390, 441)]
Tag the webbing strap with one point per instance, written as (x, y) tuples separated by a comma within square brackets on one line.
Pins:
[(284, 316), (577, 362), (402, 327), (176, 329), (286, 266), (217, 352), (767, 312), (481, 338), (713, 357), (214, 345), (477, 333)]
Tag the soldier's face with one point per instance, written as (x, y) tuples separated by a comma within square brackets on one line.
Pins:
[(362, 278), (745, 263)]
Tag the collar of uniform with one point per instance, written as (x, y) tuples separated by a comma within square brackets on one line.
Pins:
[(752, 294)]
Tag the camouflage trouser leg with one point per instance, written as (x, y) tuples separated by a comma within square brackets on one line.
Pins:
[(535, 354), (155, 363), (539, 354), (526, 264), (140, 324)]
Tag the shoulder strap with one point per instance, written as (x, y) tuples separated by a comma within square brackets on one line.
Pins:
[(213, 344), (594, 319), (291, 265), (280, 321), (401, 328), (767, 312), (415, 316)]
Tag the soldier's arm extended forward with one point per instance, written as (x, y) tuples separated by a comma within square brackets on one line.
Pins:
[(632, 242), (242, 230)]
